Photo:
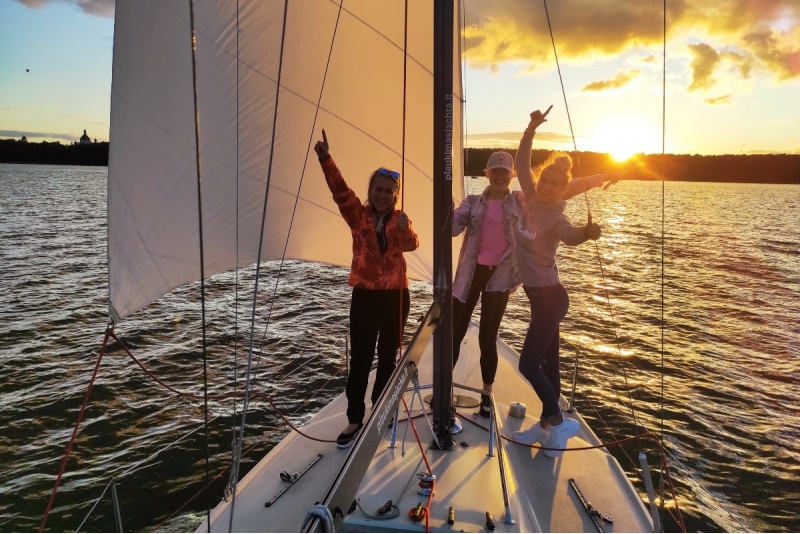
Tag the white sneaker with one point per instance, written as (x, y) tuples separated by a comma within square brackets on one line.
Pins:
[(559, 435), (534, 434)]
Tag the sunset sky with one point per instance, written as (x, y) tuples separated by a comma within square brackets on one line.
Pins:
[(732, 82)]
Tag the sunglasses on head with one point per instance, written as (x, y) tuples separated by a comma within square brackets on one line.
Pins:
[(394, 175)]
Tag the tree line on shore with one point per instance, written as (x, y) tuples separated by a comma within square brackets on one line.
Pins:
[(737, 168)]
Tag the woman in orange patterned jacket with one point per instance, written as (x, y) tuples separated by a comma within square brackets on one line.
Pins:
[(380, 301)]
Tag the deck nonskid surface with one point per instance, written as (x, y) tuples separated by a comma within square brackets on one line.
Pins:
[(467, 478)]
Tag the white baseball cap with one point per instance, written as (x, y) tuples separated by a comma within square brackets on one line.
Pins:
[(500, 160)]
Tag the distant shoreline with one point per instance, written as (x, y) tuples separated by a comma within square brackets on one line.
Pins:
[(734, 168)]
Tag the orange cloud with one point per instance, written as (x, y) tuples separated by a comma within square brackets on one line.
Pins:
[(754, 35), (719, 100), (620, 80), (704, 61)]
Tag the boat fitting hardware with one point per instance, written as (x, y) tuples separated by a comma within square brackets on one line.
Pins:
[(291, 480), (417, 513), (426, 477), (383, 510), (594, 513), (489, 521)]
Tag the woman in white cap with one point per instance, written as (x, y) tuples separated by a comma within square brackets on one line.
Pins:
[(486, 268)]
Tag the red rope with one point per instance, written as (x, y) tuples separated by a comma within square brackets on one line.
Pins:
[(427, 465), (63, 467), (218, 396)]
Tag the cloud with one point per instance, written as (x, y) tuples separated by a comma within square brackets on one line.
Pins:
[(718, 100), (99, 8), (704, 61), (763, 34), (17, 134), (620, 80), (511, 139)]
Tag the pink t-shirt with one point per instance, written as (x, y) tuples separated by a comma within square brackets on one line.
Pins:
[(494, 240)]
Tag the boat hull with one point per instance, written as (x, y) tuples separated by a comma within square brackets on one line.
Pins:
[(468, 478)]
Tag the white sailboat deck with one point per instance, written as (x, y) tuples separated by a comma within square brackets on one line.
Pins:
[(468, 479)]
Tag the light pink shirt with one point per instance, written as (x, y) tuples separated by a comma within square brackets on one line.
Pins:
[(494, 240)]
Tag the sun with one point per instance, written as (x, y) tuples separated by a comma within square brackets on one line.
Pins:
[(621, 153), (623, 138)]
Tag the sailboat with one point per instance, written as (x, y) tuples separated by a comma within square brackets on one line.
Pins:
[(215, 108)]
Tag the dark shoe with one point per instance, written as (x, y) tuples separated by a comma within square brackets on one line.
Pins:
[(345, 439), (486, 406)]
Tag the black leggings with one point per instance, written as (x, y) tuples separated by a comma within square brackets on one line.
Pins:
[(375, 317), (493, 306)]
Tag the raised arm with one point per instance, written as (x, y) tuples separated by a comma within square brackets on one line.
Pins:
[(524, 172), (345, 198), (579, 185)]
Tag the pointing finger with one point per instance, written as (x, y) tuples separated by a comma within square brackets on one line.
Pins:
[(548, 111), (324, 137)]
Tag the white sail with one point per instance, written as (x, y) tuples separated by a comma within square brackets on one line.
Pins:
[(242, 50)]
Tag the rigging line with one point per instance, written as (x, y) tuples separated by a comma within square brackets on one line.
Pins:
[(588, 208), (405, 98), (202, 255), (236, 275), (75, 430), (248, 385), (217, 396), (462, 53), (663, 178), (299, 185), (401, 322), (133, 468)]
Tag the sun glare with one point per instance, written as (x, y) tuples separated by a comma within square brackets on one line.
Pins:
[(622, 154), (622, 139)]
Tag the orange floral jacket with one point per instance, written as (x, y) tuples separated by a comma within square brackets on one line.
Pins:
[(370, 269)]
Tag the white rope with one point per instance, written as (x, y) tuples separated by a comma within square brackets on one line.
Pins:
[(321, 511)]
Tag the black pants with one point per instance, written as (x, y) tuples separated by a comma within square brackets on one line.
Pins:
[(493, 306), (376, 316)]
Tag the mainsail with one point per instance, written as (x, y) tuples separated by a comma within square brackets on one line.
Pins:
[(268, 76)]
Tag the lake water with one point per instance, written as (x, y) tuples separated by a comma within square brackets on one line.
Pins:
[(723, 391)]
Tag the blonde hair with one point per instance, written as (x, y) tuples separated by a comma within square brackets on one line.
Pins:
[(559, 161)]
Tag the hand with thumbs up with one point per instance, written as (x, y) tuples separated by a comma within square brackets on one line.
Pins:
[(592, 230)]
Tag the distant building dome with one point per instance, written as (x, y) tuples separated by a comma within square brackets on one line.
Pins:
[(85, 139)]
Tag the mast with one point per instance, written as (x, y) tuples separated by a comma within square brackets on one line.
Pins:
[(443, 110)]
